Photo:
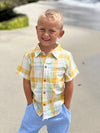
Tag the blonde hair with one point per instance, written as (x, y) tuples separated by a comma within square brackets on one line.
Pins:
[(52, 14)]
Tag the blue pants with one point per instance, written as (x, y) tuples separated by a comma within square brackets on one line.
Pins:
[(31, 122)]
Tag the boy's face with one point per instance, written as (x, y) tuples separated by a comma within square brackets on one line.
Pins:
[(48, 31)]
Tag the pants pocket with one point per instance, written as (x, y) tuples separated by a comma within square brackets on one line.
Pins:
[(66, 114), (30, 105), (66, 109)]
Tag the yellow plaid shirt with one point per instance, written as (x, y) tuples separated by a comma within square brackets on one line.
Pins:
[(47, 75)]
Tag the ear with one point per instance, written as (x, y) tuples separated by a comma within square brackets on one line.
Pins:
[(36, 28), (61, 34)]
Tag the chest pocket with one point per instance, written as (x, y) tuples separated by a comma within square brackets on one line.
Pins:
[(58, 70)]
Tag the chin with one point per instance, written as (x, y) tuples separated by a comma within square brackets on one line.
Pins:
[(45, 44)]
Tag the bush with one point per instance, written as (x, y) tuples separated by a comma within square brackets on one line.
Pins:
[(17, 22), (6, 4), (29, 1), (8, 18)]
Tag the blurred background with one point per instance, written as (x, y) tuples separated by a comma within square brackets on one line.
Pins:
[(83, 13)]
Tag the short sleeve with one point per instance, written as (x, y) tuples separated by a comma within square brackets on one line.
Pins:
[(24, 68), (71, 69)]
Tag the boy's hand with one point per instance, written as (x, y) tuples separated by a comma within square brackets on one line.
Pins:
[(27, 90), (67, 107), (29, 103), (68, 94)]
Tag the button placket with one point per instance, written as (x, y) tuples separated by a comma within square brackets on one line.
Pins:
[(46, 75), (44, 92), (44, 83), (45, 66)]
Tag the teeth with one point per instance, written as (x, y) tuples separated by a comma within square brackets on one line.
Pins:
[(46, 39)]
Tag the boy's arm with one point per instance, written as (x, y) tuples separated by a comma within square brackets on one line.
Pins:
[(68, 94), (27, 90)]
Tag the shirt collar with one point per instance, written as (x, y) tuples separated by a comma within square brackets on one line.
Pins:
[(37, 50), (55, 52)]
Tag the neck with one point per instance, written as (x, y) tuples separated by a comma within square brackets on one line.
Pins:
[(48, 49)]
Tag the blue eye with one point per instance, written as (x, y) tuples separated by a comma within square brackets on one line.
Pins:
[(42, 29), (52, 31)]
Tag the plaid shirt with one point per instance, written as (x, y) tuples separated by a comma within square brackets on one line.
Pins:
[(47, 75)]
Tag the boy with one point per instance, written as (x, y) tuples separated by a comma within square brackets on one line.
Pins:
[(48, 72)]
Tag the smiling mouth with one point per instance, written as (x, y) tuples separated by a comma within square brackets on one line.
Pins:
[(46, 40)]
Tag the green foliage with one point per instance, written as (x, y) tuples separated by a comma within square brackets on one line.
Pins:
[(8, 18), (29, 1), (7, 14), (17, 22), (6, 4)]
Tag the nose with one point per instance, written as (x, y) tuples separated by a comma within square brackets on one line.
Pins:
[(46, 34)]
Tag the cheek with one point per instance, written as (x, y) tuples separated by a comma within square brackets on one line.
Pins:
[(55, 36), (39, 34)]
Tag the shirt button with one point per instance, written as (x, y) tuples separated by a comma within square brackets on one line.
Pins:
[(44, 80), (44, 104), (43, 92), (45, 66)]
